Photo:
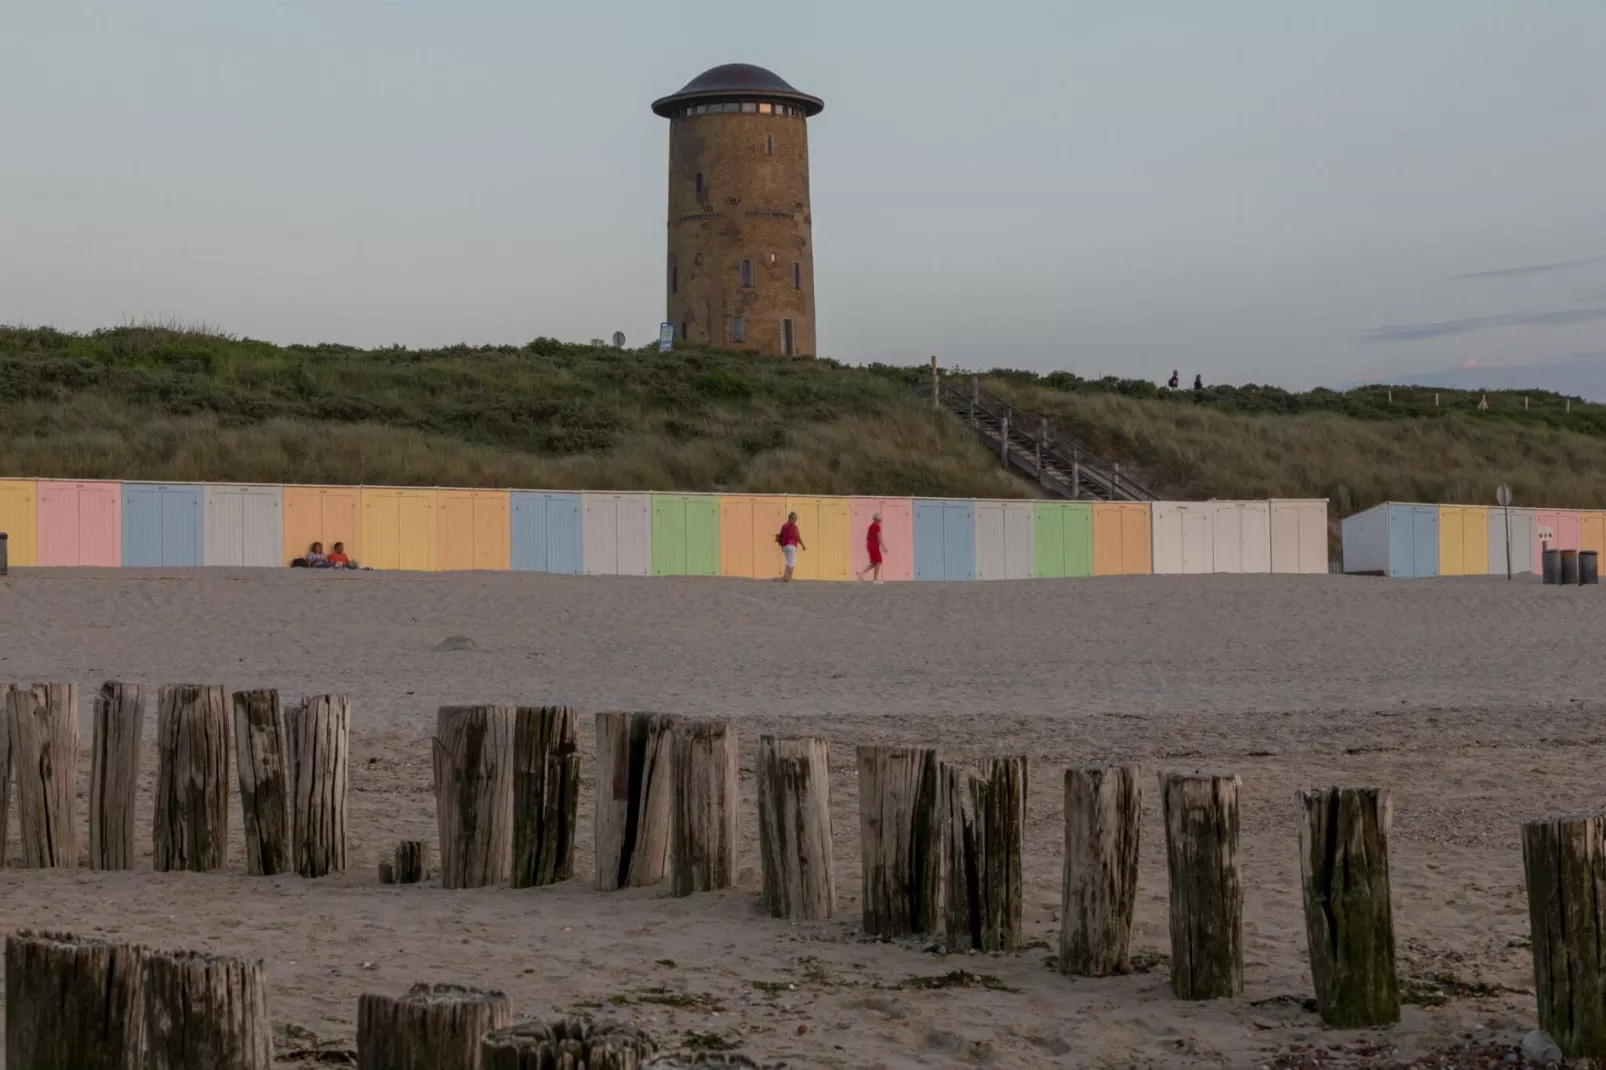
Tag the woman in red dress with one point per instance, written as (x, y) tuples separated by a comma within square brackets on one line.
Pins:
[(877, 546)]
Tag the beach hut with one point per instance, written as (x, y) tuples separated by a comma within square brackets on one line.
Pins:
[(945, 539), (1592, 530), (1122, 539), (1523, 558), (1005, 540), (473, 530), (1555, 529), (19, 519), (79, 523), (164, 525), (1393, 539), (616, 533), (1063, 543), (1299, 536), (825, 524), (685, 535), (748, 524), (1463, 540), (1241, 537), (897, 531), (1183, 535), (546, 532), (243, 525), (398, 529), (322, 514)]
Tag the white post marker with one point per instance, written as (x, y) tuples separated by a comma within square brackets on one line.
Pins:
[(1502, 498)]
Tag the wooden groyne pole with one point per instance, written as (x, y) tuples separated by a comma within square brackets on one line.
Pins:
[(1564, 860), (633, 789), (1201, 834), (192, 780), (474, 794), (318, 732), (546, 794), (432, 1027), (43, 725), (259, 753), (1103, 813), (794, 828), (900, 835), (703, 794), (74, 1002), (114, 774), (206, 1010)]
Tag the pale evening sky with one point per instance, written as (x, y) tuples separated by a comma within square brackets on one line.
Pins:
[(1256, 190)]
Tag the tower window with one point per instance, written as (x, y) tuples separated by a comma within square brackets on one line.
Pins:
[(738, 329), (683, 330), (699, 182), (750, 107), (797, 275), (674, 279), (788, 339), (769, 144), (765, 109), (749, 277)]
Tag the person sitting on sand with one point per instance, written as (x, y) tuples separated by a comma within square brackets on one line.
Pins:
[(316, 558), (338, 558)]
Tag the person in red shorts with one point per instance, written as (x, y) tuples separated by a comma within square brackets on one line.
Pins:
[(877, 546), (791, 540)]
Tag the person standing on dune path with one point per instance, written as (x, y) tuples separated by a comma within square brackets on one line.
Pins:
[(791, 540), (877, 547)]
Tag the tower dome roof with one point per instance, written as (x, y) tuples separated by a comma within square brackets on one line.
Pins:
[(737, 81)]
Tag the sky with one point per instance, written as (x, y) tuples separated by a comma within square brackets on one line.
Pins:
[(1258, 191)]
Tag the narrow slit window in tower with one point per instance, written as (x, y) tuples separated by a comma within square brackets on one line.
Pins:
[(748, 275), (769, 144), (699, 182), (797, 275), (682, 330), (738, 329), (674, 278), (788, 340)]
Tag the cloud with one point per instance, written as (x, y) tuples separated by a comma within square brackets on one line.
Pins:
[(1533, 269), (1418, 332)]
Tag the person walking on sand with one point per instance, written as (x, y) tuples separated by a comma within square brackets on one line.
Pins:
[(791, 541), (877, 546)]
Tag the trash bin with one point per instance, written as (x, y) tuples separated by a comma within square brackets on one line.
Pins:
[(1550, 566), (1588, 566), (1569, 568)]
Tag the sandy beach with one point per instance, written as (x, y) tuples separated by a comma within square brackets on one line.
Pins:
[(1477, 702)]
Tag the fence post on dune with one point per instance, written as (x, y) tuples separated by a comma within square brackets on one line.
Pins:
[(206, 1010), (473, 750), (318, 731), (72, 1001), (44, 752), (984, 840), (794, 828), (900, 836), (1201, 836), (1564, 861), (566, 1042), (1349, 920), (192, 780), (259, 752), (1103, 812), (546, 794), (114, 774), (702, 800), (437, 1026), (632, 807)]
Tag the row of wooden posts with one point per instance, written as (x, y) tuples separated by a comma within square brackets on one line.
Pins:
[(942, 844), (89, 1004)]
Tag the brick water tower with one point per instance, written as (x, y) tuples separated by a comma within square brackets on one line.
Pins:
[(741, 248)]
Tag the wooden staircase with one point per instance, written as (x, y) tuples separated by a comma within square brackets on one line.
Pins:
[(1025, 443)]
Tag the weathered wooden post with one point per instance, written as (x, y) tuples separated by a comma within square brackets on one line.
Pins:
[(900, 835), (632, 810), (73, 1002), (1349, 921), (794, 828), (703, 793), (1201, 837), (192, 779), (44, 752), (1003, 437), (1564, 861), (1076, 473), (5, 776), (546, 794), (206, 1010), (432, 1027), (975, 398), (984, 839), (474, 794), (114, 774), (1042, 440), (566, 1042), (411, 862), (259, 752), (1103, 812), (318, 731)]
